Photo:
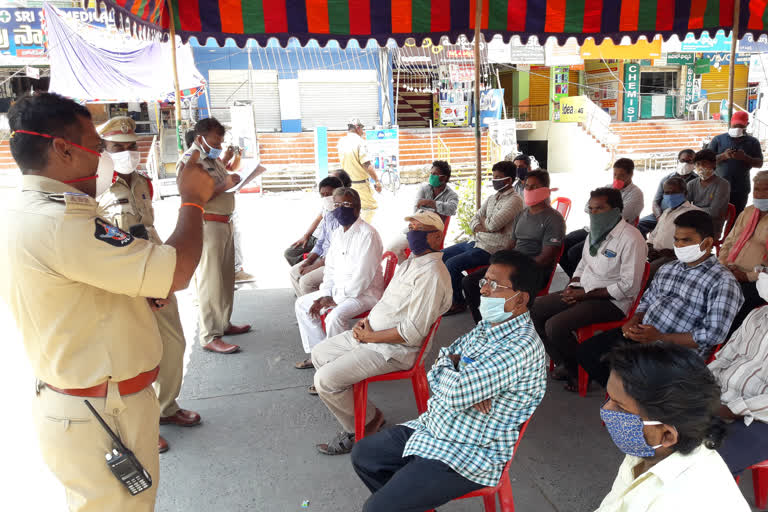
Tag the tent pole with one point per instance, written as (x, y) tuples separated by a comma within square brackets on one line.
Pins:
[(732, 68), (177, 105), (478, 146)]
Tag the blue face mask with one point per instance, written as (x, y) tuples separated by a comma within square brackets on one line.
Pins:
[(345, 215), (760, 204), (492, 309), (212, 152), (672, 201), (417, 241), (626, 430)]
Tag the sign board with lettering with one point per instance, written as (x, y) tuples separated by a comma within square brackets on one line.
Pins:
[(690, 79), (683, 59), (705, 43), (491, 103), (571, 110), (631, 92), (724, 59)]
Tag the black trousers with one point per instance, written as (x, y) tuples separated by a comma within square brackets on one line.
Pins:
[(404, 484), (294, 255), (574, 244), (590, 354), (752, 300), (744, 445)]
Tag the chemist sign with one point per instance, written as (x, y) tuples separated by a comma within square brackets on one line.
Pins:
[(631, 92)]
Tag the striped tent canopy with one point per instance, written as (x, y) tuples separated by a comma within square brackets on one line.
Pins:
[(342, 20)]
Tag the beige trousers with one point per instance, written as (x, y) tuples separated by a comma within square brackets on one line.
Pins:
[(73, 445), (342, 361), (307, 283), (168, 383), (215, 280)]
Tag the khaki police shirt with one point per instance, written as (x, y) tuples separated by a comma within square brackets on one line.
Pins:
[(125, 205), (353, 155), (222, 204), (76, 287)]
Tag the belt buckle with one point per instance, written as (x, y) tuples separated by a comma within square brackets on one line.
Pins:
[(39, 385)]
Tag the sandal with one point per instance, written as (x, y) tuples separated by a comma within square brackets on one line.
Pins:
[(561, 373), (341, 444), (312, 390), (304, 365)]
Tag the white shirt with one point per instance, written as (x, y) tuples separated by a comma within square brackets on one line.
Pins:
[(663, 235), (353, 264), (419, 293), (699, 481), (741, 371), (632, 197), (618, 265)]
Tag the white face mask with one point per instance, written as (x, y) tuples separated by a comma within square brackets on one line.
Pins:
[(684, 168), (704, 172), (762, 286), (106, 172), (327, 204), (736, 132), (689, 253), (126, 161)]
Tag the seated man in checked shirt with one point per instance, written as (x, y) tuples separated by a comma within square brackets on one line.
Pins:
[(691, 301), (484, 386)]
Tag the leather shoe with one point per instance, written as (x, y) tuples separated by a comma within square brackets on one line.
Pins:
[(182, 418), (221, 347), (233, 330), (162, 445)]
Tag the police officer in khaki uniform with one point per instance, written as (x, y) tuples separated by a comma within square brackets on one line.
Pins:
[(79, 290), (354, 159), (128, 204), (215, 276)]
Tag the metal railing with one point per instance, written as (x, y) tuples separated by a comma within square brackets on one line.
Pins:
[(597, 122), (443, 151), (528, 112)]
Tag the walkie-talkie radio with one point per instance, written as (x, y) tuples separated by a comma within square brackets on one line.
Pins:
[(122, 462)]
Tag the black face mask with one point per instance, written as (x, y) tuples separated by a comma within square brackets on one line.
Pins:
[(500, 184), (522, 173)]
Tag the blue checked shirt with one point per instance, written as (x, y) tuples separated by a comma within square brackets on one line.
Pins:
[(702, 300), (508, 368), (327, 227)]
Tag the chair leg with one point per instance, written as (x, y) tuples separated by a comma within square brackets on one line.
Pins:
[(760, 485), (490, 503), (420, 389), (360, 391), (583, 381), (506, 498)]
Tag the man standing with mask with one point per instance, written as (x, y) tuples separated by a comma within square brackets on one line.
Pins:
[(128, 205), (691, 302), (493, 228), (602, 289), (215, 276), (522, 168), (390, 338), (685, 168), (355, 160), (80, 291), (737, 153), (352, 280)]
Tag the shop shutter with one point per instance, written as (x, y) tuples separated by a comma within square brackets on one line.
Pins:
[(716, 84), (573, 86), (331, 98), (539, 86), (229, 85)]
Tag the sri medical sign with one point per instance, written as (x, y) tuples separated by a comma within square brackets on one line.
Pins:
[(690, 77), (631, 92), (21, 35), (491, 102)]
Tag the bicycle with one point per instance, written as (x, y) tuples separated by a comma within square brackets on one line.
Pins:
[(390, 179)]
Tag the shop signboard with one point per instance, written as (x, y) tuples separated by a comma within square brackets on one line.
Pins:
[(758, 69), (491, 103), (531, 53), (631, 92), (606, 50), (690, 78), (705, 43), (724, 59), (461, 72), (383, 148), (747, 44), (701, 66), (571, 110), (684, 59), (449, 113), (568, 54)]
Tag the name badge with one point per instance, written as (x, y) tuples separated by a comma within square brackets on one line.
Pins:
[(609, 253)]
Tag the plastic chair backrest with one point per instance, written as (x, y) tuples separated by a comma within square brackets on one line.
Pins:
[(646, 273), (563, 206), (390, 264), (729, 223), (545, 290), (427, 342), (446, 222)]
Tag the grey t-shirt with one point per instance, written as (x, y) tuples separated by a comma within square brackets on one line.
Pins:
[(736, 171), (532, 232), (712, 198)]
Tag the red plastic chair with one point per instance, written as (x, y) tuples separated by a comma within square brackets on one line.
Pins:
[(563, 206), (586, 332), (760, 483), (390, 265), (503, 489), (417, 374), (728, 227)]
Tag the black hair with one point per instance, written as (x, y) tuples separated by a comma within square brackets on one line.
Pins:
[(698, 220), (611, 195), (330, 181), (673, 385), (525, 275), (344, 177), (523, 158), (625, 163), (209, 125), (444, 168), (679, 182), (347, 191), (505, 167), (705, 155), (541, 175), (686, 151), (46, 113), (189, 137)]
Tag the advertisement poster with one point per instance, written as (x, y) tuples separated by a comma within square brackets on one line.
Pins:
[(383, 148), (244, 131), (502, 139), (491, 104), (560, 82), (631, 93), (461, 72), (571, 110)]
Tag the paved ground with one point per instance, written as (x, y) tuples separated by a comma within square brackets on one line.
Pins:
[(255, 448)]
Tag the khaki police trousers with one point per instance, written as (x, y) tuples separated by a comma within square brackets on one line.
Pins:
[(215, 280), (367, 202), (73, 445), (168, 383)]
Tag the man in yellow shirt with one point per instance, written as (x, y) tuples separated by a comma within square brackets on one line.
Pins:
[(354, 159)]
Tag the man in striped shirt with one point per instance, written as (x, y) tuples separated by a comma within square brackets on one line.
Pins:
[(484, 386)]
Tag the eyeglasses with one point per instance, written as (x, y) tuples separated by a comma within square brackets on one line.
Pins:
[(493, 285), (345, 204)]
